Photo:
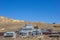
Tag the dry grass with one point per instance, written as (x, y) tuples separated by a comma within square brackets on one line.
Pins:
[(30, 38), (9, 25)]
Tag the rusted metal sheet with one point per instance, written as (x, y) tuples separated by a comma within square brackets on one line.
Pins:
[(1, 33)]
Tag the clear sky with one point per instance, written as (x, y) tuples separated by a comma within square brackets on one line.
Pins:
[(31, 10)]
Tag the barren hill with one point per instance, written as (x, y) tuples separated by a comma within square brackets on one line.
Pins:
[(7, 24)]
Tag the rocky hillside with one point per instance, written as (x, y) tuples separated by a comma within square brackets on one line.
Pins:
[(7, 24), (7, 20)]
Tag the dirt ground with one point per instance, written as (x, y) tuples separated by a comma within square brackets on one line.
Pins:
[(44, 37), (12, 25)]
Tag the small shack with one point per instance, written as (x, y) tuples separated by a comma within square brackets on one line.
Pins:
[(36, 32), (46, 31), (10, 34), (26, 30)]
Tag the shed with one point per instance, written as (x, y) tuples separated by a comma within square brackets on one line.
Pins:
[(10, 34), (26, 30)]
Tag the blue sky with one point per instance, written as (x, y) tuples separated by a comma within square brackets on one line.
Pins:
[(31, 10)]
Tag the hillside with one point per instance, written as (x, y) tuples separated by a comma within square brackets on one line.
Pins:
[(8, 24)]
